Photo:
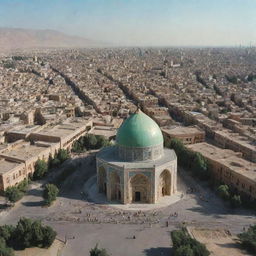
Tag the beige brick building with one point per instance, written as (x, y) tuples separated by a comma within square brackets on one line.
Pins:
[(188, 135), (17, 159), (228, 167)]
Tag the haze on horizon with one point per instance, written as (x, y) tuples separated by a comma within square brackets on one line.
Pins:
[(139, 22)]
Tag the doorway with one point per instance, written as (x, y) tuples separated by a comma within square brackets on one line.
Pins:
[(105, 188), (137, 196)]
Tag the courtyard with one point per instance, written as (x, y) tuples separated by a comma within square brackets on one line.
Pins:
[(82, 222)]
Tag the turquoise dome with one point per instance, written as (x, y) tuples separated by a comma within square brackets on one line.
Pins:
[(139, 131)]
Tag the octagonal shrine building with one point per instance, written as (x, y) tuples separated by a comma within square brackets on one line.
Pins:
[(137, 169)]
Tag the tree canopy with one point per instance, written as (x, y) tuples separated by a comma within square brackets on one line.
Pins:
[(27, 233), (98, 252), (248, 239), (50, 193), (184, 245), (41, 168)]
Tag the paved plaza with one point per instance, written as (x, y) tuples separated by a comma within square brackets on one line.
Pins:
[(84, 222)]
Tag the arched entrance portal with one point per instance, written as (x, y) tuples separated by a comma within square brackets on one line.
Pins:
[(115, 186), (139, 189), (102, 180), (165, 183)]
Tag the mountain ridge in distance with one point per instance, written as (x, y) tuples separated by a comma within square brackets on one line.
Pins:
[(20, 38)]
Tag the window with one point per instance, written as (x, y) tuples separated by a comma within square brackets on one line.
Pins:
[(14, 176)]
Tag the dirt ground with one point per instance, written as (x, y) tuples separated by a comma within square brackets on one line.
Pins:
[(218, 242), (54, 250)]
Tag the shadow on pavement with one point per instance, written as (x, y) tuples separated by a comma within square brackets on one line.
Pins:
[(159, 251), (34, 204)]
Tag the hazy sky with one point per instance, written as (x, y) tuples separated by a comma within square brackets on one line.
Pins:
[(139, 22)]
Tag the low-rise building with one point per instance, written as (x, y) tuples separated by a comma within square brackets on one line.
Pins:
[(17, 159), (229, 168), (188, 135)]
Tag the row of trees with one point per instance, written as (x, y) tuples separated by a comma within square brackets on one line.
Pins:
[(89, 141), (226, 194), (15, 193), (27, 233), (230, 194), (42, 167), (200, 168), (183, 244), (193, 161)]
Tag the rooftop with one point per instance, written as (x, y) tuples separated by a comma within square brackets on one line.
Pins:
[(6, 165), (24, 151), (229, 158), (181, 130)]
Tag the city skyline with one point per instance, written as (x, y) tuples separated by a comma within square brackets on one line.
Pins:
[(139, 23)]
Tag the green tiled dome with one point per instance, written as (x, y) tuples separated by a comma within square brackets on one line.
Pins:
[(139, 130)]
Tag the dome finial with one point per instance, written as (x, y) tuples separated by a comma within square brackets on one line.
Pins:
[(138, 109)]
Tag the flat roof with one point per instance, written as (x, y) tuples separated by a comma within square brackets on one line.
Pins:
[(24, 129), (226, 157), (103, 130), (211, 151), (62, 130), (241, 166), (24, 151), (238, 138), (181, 130), (6, 166)]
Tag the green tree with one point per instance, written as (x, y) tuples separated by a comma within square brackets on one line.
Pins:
[(183, 244), (179, 238), (101, 141), (49, 236), (235, 201), (6, 232), (4, 250), (13, 194), (98, 252), (199, 166), (184, 250), (248, 239), (37, 233), (198, 248), (41, 168), (90, 141), (50, 193), (77, 147), (23, 235), (27, 233), (62, 155), (23, 186), (223, 192)]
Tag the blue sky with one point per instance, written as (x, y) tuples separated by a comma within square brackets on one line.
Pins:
[(139, 22)]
